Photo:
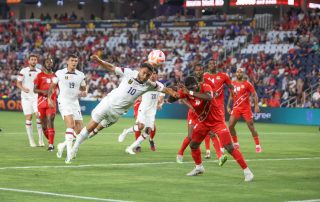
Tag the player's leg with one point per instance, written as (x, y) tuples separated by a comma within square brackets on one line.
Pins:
[(69, 134), (50, 115), (198, 134), (225, 139), (39, 123), (254, 134), (207, 144), (28, 111), (185, 142), (136, 127), (216, 144), (151, 139), (138, 142), (232, 123)]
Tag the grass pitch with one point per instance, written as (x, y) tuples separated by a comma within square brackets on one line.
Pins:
[(288, 169)]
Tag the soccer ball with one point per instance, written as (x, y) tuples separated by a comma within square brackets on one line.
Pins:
[(156, 57)]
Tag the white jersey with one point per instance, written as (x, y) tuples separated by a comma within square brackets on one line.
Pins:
[(123, 97), (149, 103), (69, 85), (27, 77)]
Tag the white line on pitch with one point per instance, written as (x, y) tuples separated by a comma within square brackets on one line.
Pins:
[(116, 133), (310, 200), (60, 195), (144, 164)]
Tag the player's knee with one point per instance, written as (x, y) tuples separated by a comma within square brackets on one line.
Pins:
[(148, 130), (194, 145), (229, 148), (140, 126)]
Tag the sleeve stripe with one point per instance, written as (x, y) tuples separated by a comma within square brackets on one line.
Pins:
[(20, 74)]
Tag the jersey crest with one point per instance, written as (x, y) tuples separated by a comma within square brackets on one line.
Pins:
[(66, 77), (130, 81)]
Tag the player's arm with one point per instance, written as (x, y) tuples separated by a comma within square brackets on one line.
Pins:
[(108, 66), (19, 84), (228, 104), (160, 102), (256, 102), (51, 90), (170, 92), (37, 90), (207, 96), (83, 89)]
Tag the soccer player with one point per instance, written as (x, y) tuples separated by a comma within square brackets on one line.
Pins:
[(118, 101), (192, 119), (210, 118), (47, 112), (216, 79), (71, 83), (146, 117), (29, 100), (242, 107)]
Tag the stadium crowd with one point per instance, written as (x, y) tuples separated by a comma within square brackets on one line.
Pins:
[(277, 76)]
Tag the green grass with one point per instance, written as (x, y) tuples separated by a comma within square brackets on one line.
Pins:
[(275, 180)]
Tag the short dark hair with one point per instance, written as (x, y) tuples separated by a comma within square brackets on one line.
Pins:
[(147, 65), (190, 81), (156, 70), (33, 55), (72, 56), (47, 58)]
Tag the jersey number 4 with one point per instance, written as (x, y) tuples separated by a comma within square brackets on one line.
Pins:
[(132, 91)]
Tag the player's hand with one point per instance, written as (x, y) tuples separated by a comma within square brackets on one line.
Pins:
[(82, 94), (229, 110), (256, 109), (159, 107), (26, 90), (50, 103), (94, 57), (215, 94), (183, 88)]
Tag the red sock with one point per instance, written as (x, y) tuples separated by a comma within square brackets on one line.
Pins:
[(256, 140), (153, 133), (137, 134), (217, 146), (45, 132), (51, 133), (234, 138), (239, 158), (184, 145), (196, 155), (207, 142)]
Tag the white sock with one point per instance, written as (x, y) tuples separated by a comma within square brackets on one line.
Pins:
[(83, 135), (133, 129), (140, 139), (30, 132), (68, 139), (199, 166), (40, 131), (246, 170)]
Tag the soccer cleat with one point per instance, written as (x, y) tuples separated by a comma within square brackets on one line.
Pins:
[(236, 145), (179, 158), (152, 145), (41, 144), (248, 175), (258, 149), (68, 159), (123, 135), (50, 148), (33, 144), (130, 151), (208, 154), (138, 149), (60, 150), (223, 159), (196, 171)]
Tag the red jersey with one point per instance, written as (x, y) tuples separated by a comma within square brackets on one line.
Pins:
[(217, 81), (208, 112), (43, 82), (242, 92)]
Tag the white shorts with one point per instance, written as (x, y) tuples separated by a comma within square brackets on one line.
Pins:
[(29, 105), (71, 108), (104, 113), (147, 119)]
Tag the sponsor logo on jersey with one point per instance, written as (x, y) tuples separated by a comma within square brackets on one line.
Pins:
[(48, 80)]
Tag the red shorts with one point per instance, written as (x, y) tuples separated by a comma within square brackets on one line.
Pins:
[(200, 131), (246, 113), (45, 112)]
